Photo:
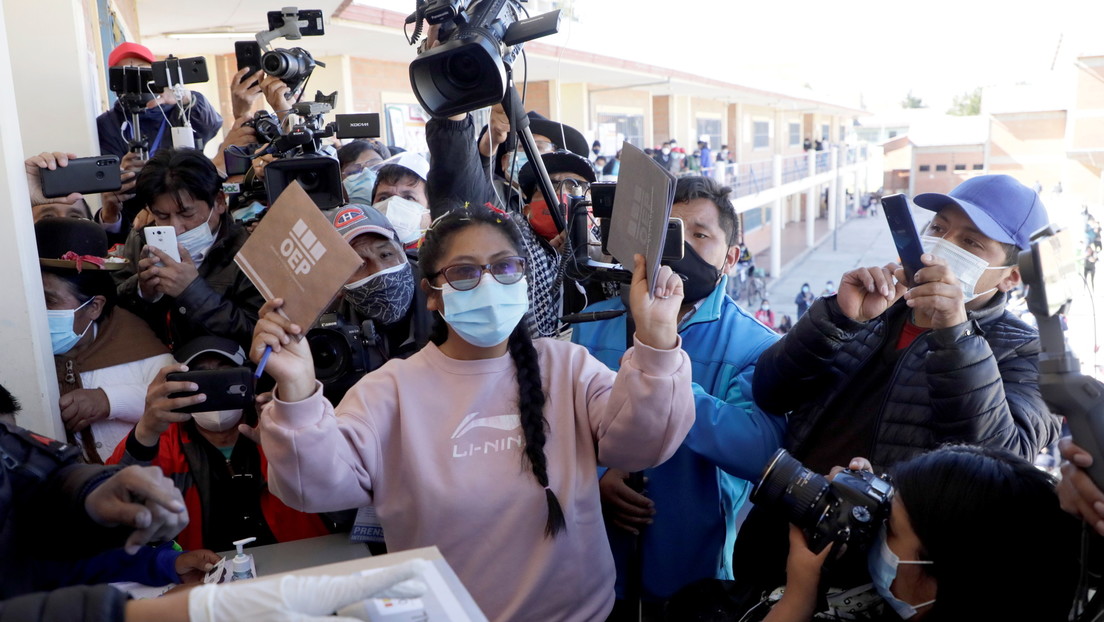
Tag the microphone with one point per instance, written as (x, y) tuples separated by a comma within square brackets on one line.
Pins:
[(591, 316)]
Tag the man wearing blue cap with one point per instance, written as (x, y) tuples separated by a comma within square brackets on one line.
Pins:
[(887, 372)]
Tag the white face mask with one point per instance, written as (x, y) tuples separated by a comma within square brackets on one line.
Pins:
[(966, 266), (218, 420), (197, 241), (405, 216)]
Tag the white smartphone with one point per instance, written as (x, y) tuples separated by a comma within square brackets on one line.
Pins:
[(164, 240)]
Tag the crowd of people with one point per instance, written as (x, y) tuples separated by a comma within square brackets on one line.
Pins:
[(600, 475)]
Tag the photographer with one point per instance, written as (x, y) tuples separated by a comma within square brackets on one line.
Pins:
[(383, 292), (220, 472), (974, 533), (161, 114), (689, 508), (205, 293), (894, 372)]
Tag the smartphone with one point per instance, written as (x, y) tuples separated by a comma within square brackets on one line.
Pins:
[(84, 175), (163, 239), (249, 55), (312, 28), (226, 388), (178, 71), (129, 80), (673, 247), (905, 236)]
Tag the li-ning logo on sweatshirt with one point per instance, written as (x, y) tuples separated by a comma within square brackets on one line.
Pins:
[(302, 249), (506, 423)]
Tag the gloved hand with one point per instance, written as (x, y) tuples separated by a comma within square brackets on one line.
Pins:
[(303, 598)]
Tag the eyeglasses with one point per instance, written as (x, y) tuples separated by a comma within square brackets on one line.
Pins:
[(545, 146), (571, 186), (465, 276)]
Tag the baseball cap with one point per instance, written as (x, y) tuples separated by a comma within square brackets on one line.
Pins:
[(206, 344), (413, 162), (353, 220), (129, 50), (1000, 207), (558, 162)]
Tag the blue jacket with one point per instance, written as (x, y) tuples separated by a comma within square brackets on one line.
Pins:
[(700, 490)]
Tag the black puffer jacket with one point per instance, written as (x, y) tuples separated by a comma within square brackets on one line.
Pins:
[(222, 301), (973, 383)]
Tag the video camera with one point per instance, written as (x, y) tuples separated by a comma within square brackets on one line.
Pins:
[(343, 353), (477, 39), (298, 149), (849, 510)]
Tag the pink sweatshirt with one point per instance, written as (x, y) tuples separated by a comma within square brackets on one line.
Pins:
[(436, 444)]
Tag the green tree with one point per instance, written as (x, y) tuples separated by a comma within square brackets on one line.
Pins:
[(912, 101), (967, 104)]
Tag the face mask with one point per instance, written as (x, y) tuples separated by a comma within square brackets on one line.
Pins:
[(515, 164), (405, 216), (218, 420), (765, 307), (699, 278), (805, 290), (384, 296), (666, 151), (359, 186), (966, 266), (882, 563), (249, 213), (486, 315), (540, 217), (62, 337), (197, 241)]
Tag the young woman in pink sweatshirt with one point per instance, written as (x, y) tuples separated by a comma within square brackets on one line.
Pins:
[(485, 443)]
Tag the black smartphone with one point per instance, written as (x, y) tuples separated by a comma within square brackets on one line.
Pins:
[(178, 71), (83, 175), (673, 247), (905, 236), (312, 28), (249, 55), (226, 388), (129, 80)]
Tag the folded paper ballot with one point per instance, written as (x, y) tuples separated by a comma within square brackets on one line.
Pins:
[(296, 254), (641, 208)]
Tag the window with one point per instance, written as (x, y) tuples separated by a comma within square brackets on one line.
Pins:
[(924, 168), (628, 127), (893, 133), (711, 129), (960, 167), (979, 167), (795, 134), (825, 132), (761, 135), (939, 168)]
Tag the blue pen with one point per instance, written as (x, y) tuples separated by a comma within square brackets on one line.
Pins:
[(261, 365)]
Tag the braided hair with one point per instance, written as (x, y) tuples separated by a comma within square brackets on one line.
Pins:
[(531, 397)]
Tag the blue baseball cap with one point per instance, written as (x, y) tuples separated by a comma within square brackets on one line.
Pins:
[(1001, 207)]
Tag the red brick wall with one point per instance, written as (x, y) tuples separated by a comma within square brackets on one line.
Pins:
[(538, 98), (372, 77), (661, 118)]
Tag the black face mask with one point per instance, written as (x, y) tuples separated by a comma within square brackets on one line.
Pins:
[(699, 278)]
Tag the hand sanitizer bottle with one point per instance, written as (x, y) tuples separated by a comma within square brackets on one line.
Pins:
[(242, 562)]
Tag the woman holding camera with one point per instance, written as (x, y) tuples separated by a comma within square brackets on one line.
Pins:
[(974, 533), (485, 443)]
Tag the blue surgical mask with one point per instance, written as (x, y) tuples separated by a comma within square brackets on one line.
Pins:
[(882, 563), (62, 337), (515, 164), (486, 315), (197, 241)]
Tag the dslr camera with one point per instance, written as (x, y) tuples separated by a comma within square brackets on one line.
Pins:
[(343, 352), (849, 510)]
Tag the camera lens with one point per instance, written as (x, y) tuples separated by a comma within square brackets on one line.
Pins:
[(280, 63), (787, 483), (330, 353), (464, 70)]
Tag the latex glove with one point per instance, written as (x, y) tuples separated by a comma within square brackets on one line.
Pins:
[(303, 598)]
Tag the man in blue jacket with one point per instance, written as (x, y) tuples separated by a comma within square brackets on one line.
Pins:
[(686, 516)]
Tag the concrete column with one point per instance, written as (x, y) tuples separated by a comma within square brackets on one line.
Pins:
[(575, 105), (810, 202), (833, 166), (27, 367), (776, 221), (857, 200), (55, 87)]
